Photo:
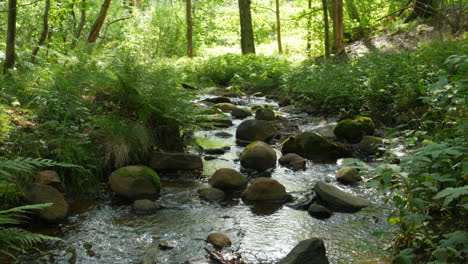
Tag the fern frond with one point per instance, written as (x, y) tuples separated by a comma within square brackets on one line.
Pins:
[(15, 215), (17, 238)]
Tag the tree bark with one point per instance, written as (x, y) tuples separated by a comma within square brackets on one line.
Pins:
[(278, 28), (338, 27), (309, 29), (247, 36), (94, 33), (45, 31), (188, 11), (11, 37), (79, 29), (422, 9), (327, 28)]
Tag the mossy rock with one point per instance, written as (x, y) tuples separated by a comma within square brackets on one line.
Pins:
[(313, 146), (367, 124), (136, 182), (258, 156), (354, 129)]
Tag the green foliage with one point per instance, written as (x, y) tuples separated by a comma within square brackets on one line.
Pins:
[(17, 239), (390, 86), (251, 73)]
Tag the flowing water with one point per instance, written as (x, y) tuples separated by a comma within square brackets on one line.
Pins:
[(108, 232)]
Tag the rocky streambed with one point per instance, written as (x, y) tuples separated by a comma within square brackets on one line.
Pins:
[(109, 231)]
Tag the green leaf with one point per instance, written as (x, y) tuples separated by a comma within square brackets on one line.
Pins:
[(418, 203), (451, 193), (406, 256)]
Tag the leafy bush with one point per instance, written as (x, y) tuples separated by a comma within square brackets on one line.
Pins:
[(386, 85), (249, 72)]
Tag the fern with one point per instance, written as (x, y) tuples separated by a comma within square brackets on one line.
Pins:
[(16, 238), (451, 193), (27, 164)]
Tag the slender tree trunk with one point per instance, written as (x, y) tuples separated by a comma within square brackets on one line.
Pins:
[(247, 36), (94, 33), (353, 12), (188, 12), (327, 28), (422, 9), (45, 31), (11, 37), (309, 29), (338, 27), (278, 28), (79, 29)]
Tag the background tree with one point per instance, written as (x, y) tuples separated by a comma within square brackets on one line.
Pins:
[(338, 27), (11, 36), (188, 12), (79, 28), (247, 36), (96, 28), (45, 31), (278, 27), (326, 28)]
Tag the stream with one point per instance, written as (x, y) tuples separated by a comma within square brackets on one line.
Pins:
[(106, 231)]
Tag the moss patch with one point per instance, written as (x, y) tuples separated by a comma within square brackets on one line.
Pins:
[(137, 172)]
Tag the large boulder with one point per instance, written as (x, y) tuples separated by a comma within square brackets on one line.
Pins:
[(227, 179), (265, 114), (135, 182), (337, 199), (265, 189), (211, 194), (309, 251), (370, 144), (348, 175), (292, 160), (240, 113), (354, 129), (175, 161), (259, 156), (219, 240), (50, 177), (252, 130), (41, 193), (313, 146)]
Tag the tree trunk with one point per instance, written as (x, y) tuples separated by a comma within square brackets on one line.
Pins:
[(422, 9), (353, 12), (327, 28), (247, 36), (94, 33), (278, 28), (11, 37), (309, 29), (338, 27), (45, 31), (188, 11), (79, 29)]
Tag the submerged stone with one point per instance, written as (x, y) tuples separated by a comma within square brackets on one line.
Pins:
[(338, 199), (309, 251)]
